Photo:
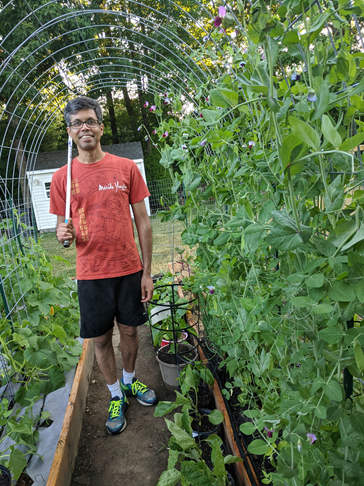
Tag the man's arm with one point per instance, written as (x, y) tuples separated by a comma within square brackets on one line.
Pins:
[(65, 231), (145, 240)]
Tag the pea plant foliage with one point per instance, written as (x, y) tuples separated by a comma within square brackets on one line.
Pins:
[(271, 165)]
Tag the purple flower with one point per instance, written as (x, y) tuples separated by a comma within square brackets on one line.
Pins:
[(312, 97), (217, 21), (251, 144), (242, 64), (263, 56), (166, 101), (240, 88), (269, 432), (222, 12), (208, 99), (138, 129), (295, 76), (165, 134), (312, 438), (146, 139), (205, 38), (152, 108), (146, 104), (211, 289), (203, 143), (299, 446), (201, 115), (154, 132), (184, 147), (154, 145)]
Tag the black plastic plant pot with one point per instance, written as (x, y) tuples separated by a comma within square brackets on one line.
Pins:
[(204, 396), (201, 426), (231, 481), (5, 476)]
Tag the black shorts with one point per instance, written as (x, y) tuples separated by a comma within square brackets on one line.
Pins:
[(104, 299)]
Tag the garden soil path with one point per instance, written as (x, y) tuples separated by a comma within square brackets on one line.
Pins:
[(137, 456)]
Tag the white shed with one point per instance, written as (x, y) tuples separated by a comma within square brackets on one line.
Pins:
[(48, 162)]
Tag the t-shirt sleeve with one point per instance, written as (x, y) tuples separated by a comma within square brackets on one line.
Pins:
[(57, 196), (138, 188)]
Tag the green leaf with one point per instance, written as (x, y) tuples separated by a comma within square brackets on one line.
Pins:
[(194, 184), (210, 115), (290, 38), (329, 132), (258, 447), (331, 335), (222, 238), (305, 133), (169, 478), (323, 309), (358, 236), (284, 238), (357, 422), (359, 290), (315, 281), (291, 149), (333, 390), (305, 301), (247, 428), (359, 357), (341, 291), (323, 101), (216, 417), (184, 440), (17, 463), (229, 459), (224, 98), (41, 357), (352, 142)]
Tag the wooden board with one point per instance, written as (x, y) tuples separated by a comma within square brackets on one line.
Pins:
[(67, 447)]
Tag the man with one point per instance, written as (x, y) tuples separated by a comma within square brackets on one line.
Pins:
[(112, 281)]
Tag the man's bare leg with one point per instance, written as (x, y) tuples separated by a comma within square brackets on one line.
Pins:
[(105, 357), (129, 343)]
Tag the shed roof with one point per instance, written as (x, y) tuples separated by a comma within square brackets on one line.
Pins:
[(58, 158)]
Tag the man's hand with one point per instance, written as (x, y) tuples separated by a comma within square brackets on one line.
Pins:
[(66, 231), (147, 287)]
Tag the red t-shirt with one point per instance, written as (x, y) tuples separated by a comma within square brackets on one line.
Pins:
[(100, 196)]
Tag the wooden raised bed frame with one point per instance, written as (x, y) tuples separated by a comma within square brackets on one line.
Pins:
[(67, 446)]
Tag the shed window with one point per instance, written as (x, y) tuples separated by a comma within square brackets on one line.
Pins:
[(47, 187)]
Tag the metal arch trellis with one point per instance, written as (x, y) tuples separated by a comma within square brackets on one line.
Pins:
[(38, 92)]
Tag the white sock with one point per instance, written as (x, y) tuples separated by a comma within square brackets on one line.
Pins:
[(128, 377), (115, 390)]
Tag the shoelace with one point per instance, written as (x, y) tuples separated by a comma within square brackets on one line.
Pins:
[(138, 387), (115, 408)]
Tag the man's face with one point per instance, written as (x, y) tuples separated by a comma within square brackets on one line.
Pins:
[(86, 138)]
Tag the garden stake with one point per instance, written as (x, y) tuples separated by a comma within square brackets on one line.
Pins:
[(66, 243), (348, 377)]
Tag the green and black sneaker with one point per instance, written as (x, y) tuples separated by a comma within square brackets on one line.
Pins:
[(116, 421), (141, 392)]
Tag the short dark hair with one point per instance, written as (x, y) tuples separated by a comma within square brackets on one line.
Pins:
[(82, 103)]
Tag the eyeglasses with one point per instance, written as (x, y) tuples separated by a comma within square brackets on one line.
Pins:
[(90, 123)]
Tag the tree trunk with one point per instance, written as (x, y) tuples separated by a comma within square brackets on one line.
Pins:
[(145, 119), (110, 107), (129, 108)]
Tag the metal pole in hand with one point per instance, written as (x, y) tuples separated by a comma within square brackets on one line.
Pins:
[(66, 243)]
